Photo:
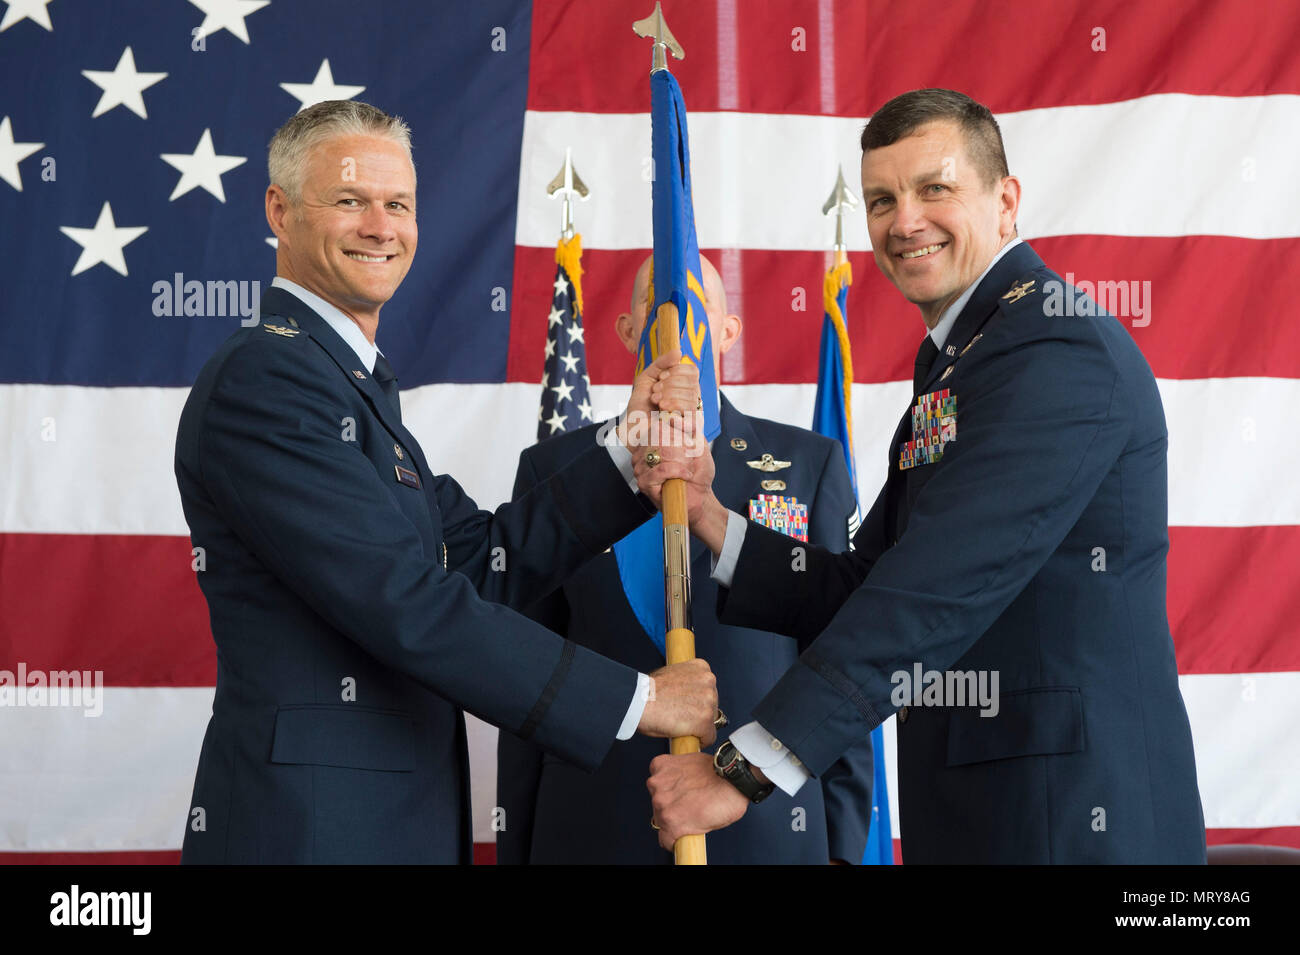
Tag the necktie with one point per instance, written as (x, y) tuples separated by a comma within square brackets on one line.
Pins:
[(387, 381), (925, 356)]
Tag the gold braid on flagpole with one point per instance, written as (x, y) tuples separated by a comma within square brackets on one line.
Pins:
[(568, 255), (837, 278)]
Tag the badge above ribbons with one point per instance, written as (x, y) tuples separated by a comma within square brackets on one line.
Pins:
[(934, 424)]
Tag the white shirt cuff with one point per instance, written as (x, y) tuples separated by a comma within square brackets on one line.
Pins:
[(760, 748), (622, 459), (724, 565), (636, 708)]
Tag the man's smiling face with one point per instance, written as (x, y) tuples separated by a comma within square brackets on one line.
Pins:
[(935, 221), (352, 237)]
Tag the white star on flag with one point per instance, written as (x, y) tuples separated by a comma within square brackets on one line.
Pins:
[(561, 286), (550, 350), (575, 333), (563, 392), (320, 89), (203, 168), (34, 10), (570, 361), (584, 409), (226, 15), (122, 86), (556, 421), (12, 153), (554, 317), (104, 243)]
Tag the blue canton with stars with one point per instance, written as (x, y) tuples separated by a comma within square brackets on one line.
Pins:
[(133, 138), (566, 389)]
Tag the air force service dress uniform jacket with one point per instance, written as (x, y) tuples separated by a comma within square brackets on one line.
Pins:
[(1022, 530), (557, 813), (356, 609)]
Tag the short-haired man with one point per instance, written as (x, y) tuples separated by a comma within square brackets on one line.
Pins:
[(355, 599), (1032, 444), (555, 812)]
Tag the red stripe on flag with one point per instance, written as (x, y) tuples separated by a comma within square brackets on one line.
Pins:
[(1232, 598), (124, 604), (144, 622), (161, 857), (1235, 48), (1195, 292)]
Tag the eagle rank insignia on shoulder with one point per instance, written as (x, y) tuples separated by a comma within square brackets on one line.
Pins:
[(784, 514), (1017, 292), (281, 330)]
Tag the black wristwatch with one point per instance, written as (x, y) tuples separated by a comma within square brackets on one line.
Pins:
[(731, 766)]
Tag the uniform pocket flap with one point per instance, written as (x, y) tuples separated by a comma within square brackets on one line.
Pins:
[(1034, 722), (344, 735)]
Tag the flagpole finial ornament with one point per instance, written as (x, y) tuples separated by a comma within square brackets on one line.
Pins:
[(654, 26), (841, 200), (567, 184)]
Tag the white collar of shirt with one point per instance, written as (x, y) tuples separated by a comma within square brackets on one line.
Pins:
[(347, 329), (939, 334)]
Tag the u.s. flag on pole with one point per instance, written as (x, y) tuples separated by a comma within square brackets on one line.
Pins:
[(1155, 141)]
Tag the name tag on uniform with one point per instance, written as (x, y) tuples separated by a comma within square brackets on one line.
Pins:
[(784, 514), (934, 424), (406, 476)]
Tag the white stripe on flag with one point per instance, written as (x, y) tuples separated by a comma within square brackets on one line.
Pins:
[(123, 781), (109, 471), (1135, 168)]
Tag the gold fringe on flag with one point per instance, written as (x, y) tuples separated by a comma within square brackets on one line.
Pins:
[(568, 255), (837, 278)]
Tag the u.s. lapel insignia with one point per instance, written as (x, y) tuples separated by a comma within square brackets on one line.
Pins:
[(1018, 292), (772, 485), (739, 444), (280, 330), (768, 463), (950, 350), (934, 425), (971, 344), (361, 375), (783, 514)]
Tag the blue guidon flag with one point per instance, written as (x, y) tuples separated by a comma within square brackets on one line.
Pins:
[(833, 417), (677, 280), (677, 253)]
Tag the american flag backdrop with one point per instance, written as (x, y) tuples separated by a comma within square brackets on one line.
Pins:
[(1155, 141)]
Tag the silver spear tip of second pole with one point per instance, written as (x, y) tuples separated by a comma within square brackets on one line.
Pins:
[(567, 184), (841, 199), (655, 27)]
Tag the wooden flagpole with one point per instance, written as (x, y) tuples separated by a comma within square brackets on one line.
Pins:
[(679, 642)]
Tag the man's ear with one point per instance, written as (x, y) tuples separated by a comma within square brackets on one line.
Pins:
[(731, 326), (1009, 206), (277, 211), (623, 326)]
